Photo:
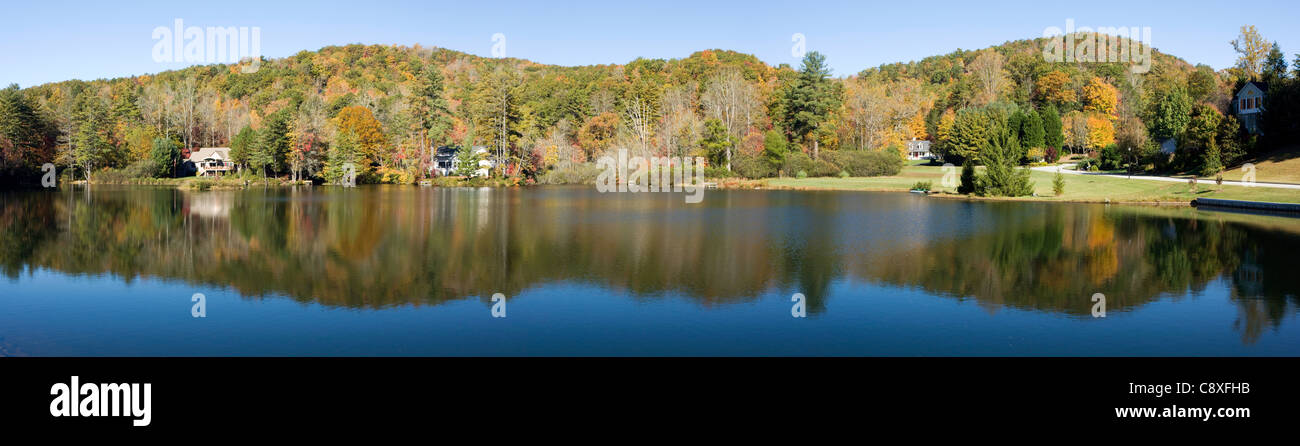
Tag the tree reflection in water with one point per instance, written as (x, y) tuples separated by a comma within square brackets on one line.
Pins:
[(379, 247)]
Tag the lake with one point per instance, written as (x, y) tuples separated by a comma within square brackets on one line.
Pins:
[(113, 271)]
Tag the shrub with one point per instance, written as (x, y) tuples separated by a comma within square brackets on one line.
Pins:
[(923, 186), (718, 172), (576, 174), (752, 166), (1088, 165), (801, 174), (796, 161), (1035, 155), (823, 168), (385, 175), (1058, 184), (1051, 155), (1111, 158)]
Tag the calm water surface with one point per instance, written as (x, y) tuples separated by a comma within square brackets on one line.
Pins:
[(410, 271)]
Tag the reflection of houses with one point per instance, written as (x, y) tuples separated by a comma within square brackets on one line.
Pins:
[(918, 149), (1250, 276), (1249, 105), (210, 204), (447, 161), (211, 161)]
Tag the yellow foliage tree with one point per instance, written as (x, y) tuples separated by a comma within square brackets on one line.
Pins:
[(1101, 97), (1101, 131), (944, 130), (1054, 87), (369, 132)]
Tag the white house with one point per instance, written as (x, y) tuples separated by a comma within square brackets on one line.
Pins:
[(211, 161), (918, 149), (446, 161), (1249, 104)]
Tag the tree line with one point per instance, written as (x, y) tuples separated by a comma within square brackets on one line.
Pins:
[(385, 108)]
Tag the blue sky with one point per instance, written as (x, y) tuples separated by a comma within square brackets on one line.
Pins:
[(47, 41)]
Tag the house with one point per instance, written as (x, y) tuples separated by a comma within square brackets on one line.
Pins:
[(1249, 105), (1168, 146), (211, 161), (446, 161), (918, 149)]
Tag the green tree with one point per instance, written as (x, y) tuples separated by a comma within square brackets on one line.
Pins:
[(1031, 130), (809, 102), (467, 161), (1058, 184), (165, 157), (1053, 130), (716, 141), (968, 179), (274, 143), (969, 134), (431, 106), (1199, 144), (774, 147), (1169, 114), (1001, 154), (90, 145), (26, 137), (345, 150), (242, 145), (1274, 64)]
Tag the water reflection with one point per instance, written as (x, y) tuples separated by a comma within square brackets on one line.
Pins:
[(381, 247)]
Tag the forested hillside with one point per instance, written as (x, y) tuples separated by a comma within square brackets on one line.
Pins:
[(384, 107)]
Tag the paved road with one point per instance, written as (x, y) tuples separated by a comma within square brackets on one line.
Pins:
[(1068, 169)]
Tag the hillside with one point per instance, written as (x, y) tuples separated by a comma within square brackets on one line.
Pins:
[(537, 117)]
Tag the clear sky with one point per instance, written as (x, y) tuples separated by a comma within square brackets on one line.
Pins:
[(47, 41)]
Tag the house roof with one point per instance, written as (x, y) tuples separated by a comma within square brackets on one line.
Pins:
[(216, 153), (1262, 86)]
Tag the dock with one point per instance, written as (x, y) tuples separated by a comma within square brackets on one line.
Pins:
[(1290, 208)]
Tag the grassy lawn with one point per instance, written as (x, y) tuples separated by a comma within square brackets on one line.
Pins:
[(1280, 166), (1077, 187)]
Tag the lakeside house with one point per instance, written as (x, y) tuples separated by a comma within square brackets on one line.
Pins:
[(211, 161), (918, 149), (1249, 105), (447, 161)]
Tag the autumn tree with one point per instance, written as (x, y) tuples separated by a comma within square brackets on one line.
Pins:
[(369, 133), (1100, 97), (1055, 88), (1252, 50), (597, 134), (990, 77)]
